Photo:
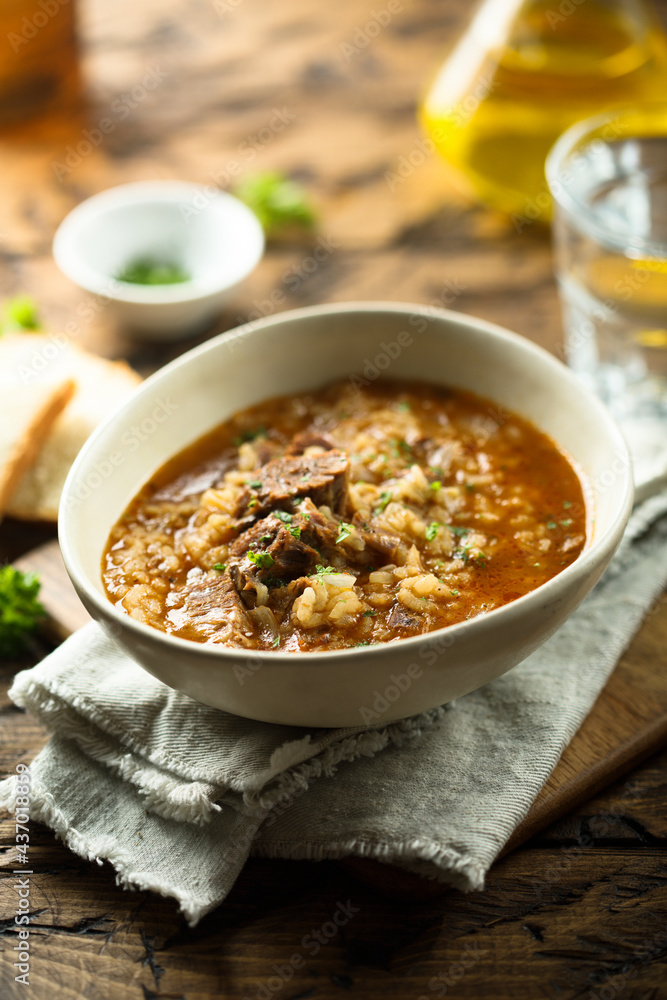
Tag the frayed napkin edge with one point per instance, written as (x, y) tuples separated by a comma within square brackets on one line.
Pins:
[(445, 864), (43, 809), (193, 801)]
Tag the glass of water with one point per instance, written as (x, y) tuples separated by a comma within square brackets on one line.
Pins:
[(608, 179)]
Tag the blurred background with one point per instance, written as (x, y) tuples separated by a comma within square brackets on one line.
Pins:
[(327, 93)]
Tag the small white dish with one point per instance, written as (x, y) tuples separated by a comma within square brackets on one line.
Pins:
[(211, 236), (296, 352)]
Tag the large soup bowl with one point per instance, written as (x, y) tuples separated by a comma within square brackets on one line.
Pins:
[(298, 351)]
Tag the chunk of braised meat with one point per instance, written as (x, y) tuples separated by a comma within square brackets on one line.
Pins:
[(205, 597), (318, 530), (281, 483), (280, 547), (384, 542), (400, 617), (309, 439)]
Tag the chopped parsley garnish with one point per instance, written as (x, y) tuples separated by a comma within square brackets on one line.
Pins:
[(383, 500), (458, 530), (344, 532), (145, 271), (276, 641), (435, 485), (305, 477), (454, 593), (221, 567), (404, 446), (266, 538), (566, 522), (252, 503), (283, 516), (481, 559), (567, 504), (263, 560), (432, 531), (470, 487), (255, 484), (325, 570), (249, 435), (403, 407), (551, 525), (295, 532), (370, 614)]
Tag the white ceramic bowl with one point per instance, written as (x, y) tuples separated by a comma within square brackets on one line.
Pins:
[(211, 235), (297, 351)]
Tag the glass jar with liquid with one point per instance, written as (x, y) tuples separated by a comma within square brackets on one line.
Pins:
[(522, 73)]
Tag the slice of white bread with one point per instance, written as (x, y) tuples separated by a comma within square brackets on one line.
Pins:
[(27, 415), (100, 386)]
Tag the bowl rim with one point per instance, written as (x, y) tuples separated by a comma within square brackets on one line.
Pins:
[(165, 192), (582, 565)]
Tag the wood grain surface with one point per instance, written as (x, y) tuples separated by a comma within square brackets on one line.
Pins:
[(191, 87)]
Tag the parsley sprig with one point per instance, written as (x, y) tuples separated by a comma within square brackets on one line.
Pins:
[(20, 611)]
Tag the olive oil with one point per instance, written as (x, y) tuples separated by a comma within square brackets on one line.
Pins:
[(524, 72)]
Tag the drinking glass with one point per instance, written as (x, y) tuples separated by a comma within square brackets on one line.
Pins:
[(608, 179)]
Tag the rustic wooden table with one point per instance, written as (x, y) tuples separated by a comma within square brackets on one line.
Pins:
[(195, 89)]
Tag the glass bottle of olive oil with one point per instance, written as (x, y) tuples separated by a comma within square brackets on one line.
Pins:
[(522, 73)]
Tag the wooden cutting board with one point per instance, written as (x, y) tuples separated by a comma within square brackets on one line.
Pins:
[(626, 725)]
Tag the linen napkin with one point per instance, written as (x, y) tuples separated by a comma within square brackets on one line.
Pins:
[(176, 795)]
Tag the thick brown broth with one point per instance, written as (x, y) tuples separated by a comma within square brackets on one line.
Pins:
[(406, 508)]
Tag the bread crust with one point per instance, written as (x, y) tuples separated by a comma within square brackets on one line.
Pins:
[(50, 401)]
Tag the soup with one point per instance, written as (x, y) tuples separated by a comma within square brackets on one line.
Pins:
[(346, 516)]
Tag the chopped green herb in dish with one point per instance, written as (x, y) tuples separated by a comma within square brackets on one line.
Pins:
[(145, 271), (344, 532), (383, 500), (283, 516), (263, 560)]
